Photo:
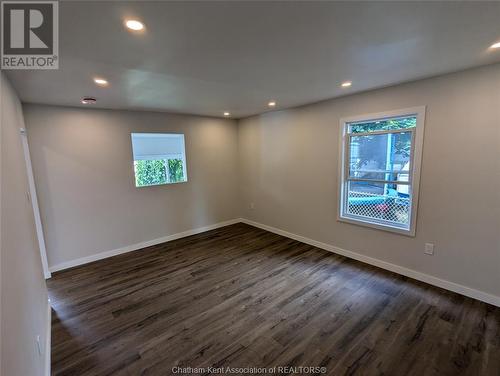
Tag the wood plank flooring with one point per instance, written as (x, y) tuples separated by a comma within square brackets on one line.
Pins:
[(243, 297)]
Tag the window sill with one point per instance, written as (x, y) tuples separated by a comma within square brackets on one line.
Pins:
[(160, 184), (377, 226)]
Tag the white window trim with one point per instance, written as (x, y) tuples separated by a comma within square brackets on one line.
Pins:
[(416, 160), (181, 156)]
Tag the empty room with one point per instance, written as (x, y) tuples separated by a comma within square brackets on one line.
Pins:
[(250, 188)]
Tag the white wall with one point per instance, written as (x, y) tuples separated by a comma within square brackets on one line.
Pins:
[(83, 167), (24, 309), (289, 160)]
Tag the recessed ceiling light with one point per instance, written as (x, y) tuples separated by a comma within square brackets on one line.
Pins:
[(226, 114), (101, 81), (346, 84), (88, 100), (495, 45), (134, 25), (272, 104)]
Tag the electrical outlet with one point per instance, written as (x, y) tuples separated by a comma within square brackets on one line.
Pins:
[(429, 249), (252, 205), (38, 345)]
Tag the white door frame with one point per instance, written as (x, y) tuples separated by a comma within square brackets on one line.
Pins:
[(34, 204)]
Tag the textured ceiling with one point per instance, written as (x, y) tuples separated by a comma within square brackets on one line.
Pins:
[(209, 57)]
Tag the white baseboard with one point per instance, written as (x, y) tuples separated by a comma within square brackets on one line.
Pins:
[(451, 286), (447, 285), (48, 340), (138, 246)]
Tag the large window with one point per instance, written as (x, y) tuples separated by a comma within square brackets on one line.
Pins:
[(380, 169), (159, 158)]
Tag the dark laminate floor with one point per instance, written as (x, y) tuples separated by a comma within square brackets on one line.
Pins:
[(240, 296)]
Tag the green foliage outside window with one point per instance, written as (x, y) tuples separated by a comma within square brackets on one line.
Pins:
[(159, 171), (175, 170), (384, 125), (150, 172)]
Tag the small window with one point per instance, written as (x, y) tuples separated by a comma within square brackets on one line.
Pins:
[(380, 169), (159, 158)]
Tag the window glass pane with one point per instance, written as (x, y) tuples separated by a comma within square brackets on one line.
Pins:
[(150, 172), (380, 156), (383, 125), (379, 201), (175, 170)]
